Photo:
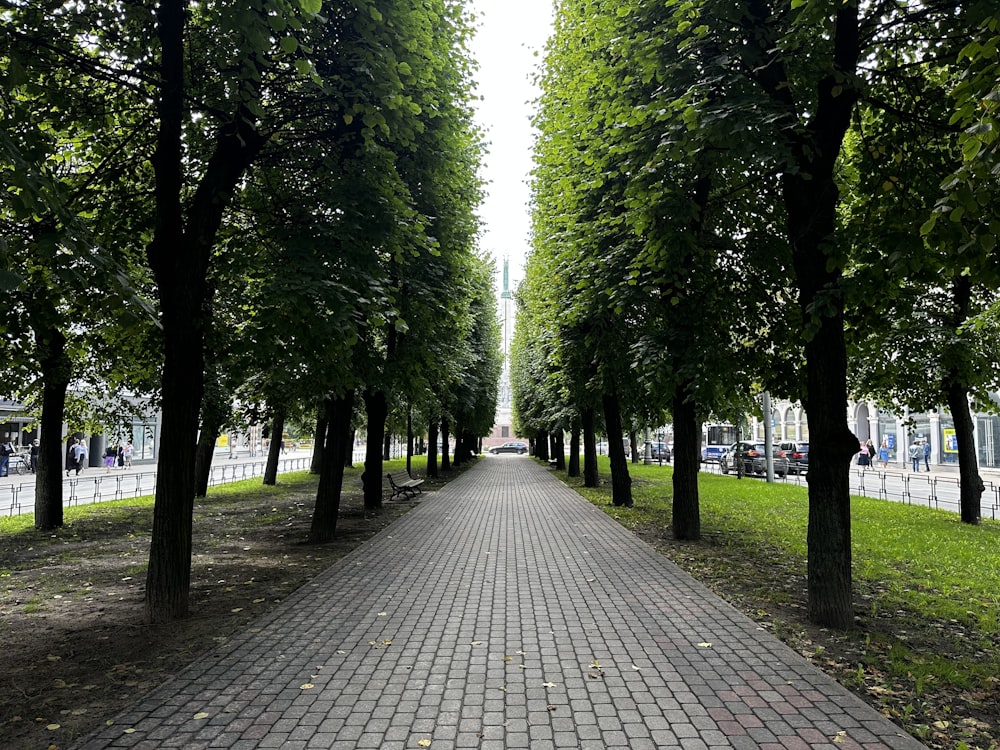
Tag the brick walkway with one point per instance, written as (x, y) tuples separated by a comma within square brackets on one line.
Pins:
[(503, 612)]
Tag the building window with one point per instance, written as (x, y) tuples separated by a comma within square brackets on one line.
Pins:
[(505, 432)]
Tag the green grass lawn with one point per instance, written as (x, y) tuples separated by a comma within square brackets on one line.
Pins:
[(926, 649)]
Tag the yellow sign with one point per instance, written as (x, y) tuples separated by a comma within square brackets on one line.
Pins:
[(223, 441), (950, 441)]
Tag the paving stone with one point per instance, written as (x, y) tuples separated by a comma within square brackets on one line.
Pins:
[(505, 561)]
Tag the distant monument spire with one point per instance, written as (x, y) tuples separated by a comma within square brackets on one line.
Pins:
[(505, 294)]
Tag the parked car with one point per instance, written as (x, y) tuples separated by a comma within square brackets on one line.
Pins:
[(753, 458), (511, 447), (797, 455), (660, 451)]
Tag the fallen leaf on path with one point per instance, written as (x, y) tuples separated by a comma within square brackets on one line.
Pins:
[(201, 715)]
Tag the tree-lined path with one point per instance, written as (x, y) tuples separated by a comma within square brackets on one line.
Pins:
[(503, 612)]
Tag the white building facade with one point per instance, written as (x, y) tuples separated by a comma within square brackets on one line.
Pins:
[(867, 421)]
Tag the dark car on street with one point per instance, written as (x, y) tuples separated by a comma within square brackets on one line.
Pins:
[(512, 447), (659, 451), (797, 455), (753, 459)]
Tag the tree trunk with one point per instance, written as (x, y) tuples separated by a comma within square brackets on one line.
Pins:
[(432, 448), (590, 476), (386, 446), (179, 256), (274, 450), (970, 483), (559, 449), (339, 413), (574, 449), (409, 442), (633, 441), (445, 460), (811, 209), (54, 367), (376, 412), (810, 197), (542, 446), (349, 450), (205, 451), (687, 459), (621, 482), (459, 458), (319, 441)]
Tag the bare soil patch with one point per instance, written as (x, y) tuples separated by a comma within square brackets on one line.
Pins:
[(75, 650)]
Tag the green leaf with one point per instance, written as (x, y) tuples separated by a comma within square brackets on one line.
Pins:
[(971, 148)]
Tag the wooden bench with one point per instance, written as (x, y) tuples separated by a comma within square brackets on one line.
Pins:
[(403, 484)]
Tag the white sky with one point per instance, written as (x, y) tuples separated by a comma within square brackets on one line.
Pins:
[(509, 46)]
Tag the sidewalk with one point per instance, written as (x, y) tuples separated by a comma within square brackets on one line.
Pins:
[(503, 612)]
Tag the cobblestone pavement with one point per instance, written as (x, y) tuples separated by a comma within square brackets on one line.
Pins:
[(503, 612)]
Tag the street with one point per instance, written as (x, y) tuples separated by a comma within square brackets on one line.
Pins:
[(938, 488)]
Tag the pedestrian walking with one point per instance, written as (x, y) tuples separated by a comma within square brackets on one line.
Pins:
[(883, 453), (927, 454), (914, 452), (79, 456), (864, 458), (6, 451), (110, 456), (127, 452), (872, 451)]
